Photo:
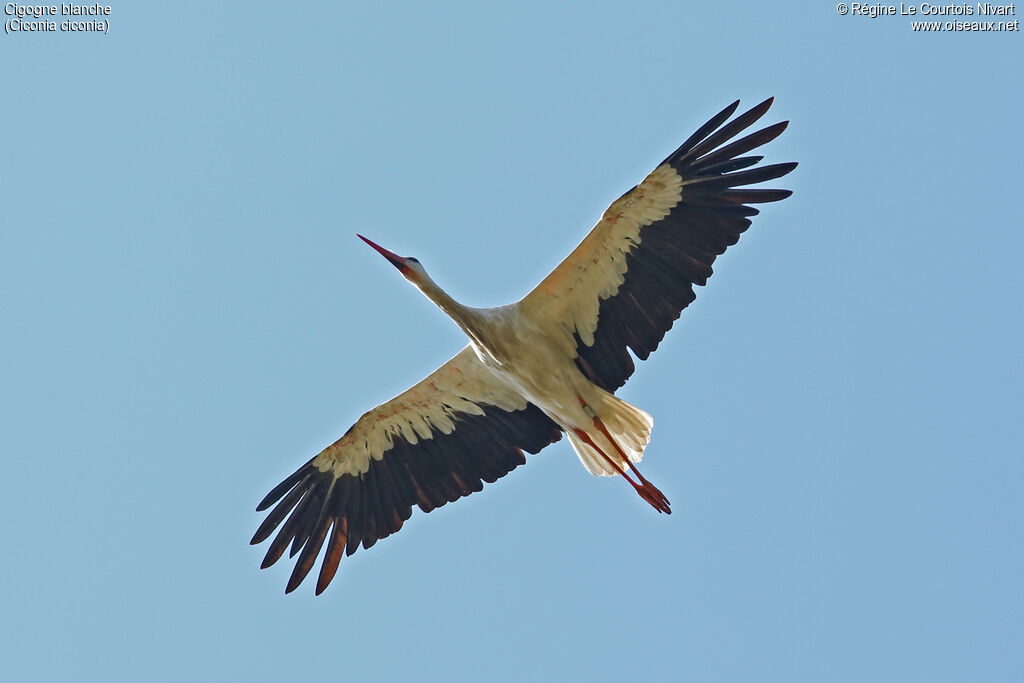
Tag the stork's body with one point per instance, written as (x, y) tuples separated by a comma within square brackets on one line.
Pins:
[(522, 352), (533, 370)]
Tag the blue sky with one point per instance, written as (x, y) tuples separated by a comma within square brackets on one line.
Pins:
[(188, 316)]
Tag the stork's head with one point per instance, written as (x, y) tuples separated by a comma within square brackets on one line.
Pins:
[(414, 273), (407, 265)]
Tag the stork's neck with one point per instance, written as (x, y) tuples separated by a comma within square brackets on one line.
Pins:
[(466, 317)]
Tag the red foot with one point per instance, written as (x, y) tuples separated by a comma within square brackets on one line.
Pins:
[(654, 496)]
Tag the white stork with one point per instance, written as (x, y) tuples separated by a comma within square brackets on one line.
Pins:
[(533, 370)]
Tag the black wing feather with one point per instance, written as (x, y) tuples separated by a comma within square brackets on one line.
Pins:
[(677, 252), (350, 510)]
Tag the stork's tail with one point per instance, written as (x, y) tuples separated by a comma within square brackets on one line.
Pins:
[(627, 424)]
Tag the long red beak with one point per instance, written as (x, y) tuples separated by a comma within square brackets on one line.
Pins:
[(396, 260)]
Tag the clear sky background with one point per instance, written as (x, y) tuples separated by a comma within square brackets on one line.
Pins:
[(187, 316)]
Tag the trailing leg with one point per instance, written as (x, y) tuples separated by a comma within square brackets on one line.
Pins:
[(644, 488)]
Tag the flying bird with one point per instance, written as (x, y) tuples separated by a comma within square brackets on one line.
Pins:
[(536, 369)]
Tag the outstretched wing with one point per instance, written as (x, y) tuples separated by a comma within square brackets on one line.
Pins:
[(630, 278), (432, 444)]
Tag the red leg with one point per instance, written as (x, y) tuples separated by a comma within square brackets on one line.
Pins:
[(645, 489), (590, 442), (648, 491)]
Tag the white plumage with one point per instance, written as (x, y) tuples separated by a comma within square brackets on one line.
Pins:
[(533, 370)]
